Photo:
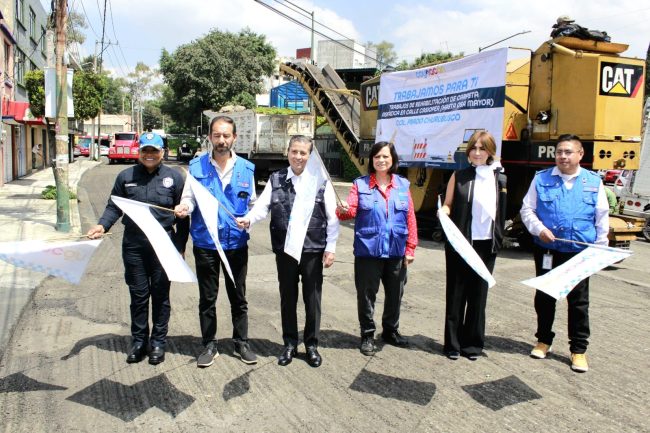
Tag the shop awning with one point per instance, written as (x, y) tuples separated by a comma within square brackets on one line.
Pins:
[(18, 112)]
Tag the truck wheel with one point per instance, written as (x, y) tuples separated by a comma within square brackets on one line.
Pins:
[(646, 230), (438, 236)]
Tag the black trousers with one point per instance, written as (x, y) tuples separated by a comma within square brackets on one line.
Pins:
[(368, 272), (208, 263), (466, 298), (577, 300), (146, 279), (310, 272)]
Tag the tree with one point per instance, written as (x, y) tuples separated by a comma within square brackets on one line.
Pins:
[(384, 53), (76, 23), (429, 59), (219, 69), (35, 84)]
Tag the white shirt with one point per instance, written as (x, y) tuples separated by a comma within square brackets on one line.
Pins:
[(263, 203), (534, 225), (225, 175)]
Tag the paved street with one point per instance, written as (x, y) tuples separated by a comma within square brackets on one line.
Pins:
[(64, 368)]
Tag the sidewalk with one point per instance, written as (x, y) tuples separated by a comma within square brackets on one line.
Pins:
[(24, 215)]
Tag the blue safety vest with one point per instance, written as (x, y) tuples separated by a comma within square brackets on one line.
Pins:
[(376, 234), (235, 197), (569, 214)]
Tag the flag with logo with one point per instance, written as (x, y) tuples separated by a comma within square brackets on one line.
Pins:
[(171, 260), (464, 248), (313, 177), (559, 281), (209, 207), (67, 260)]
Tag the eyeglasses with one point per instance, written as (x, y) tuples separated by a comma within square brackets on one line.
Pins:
[(565, 152)]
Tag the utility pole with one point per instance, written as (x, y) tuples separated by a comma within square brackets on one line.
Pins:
[(61, 128), (101, 64), (93, 146)]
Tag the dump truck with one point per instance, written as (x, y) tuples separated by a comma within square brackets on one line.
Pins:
[(567, 85), (263, 139)]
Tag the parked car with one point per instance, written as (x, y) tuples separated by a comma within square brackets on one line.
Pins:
[(185, 152), (622, 181), (611, 175)]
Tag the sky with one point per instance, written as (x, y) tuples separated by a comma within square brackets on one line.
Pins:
[(139, 29)]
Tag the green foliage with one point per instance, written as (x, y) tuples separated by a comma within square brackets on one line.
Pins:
[(213, 71), (350, 171), (384, 53), (49, 193), (275, 110), (35, 84), (429, 59), (74, 34), (88, 91), (116, 97)]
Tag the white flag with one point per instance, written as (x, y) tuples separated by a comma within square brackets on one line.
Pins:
[(209, 207), (170, 259), (67, 260), (313, 178), (464, 248), (561, 280)]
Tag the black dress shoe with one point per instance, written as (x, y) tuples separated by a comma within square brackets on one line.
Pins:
[(313, 357), (395, 338), (136, 353), (157, 355), (287, 355)]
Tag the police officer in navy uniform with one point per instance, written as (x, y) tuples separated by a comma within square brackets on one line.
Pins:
[(150, 182), (569, 203), (281, 192), (230, 179)]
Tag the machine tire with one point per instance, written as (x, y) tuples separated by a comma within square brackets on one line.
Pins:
[(646, 230)]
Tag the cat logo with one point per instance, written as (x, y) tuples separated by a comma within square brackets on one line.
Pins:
[(617, 79), (371, 96)]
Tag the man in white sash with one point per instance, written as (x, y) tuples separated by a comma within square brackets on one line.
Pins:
[(564, 209), (304, 229)]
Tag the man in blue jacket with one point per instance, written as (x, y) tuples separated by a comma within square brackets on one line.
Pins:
[(564, 205), (230, 179)]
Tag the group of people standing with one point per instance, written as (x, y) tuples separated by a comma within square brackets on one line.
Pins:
[(385, 239)]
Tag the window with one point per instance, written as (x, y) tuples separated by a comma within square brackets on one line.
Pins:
[(20, 66), (32, 24), (43, 37), (32, 66), (6, 65), (20, 10)]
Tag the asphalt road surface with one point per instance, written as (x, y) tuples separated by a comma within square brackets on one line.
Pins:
[(65, 369)]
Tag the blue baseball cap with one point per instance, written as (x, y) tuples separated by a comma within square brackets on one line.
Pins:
[(151, 139)]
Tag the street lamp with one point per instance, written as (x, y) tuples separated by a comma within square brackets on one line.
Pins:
[(505, 39)]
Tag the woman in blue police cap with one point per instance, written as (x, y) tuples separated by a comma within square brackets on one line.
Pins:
[(154, 183)]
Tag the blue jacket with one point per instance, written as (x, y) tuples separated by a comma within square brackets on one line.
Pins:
[(569, 214), (235, 197), (376, 234)]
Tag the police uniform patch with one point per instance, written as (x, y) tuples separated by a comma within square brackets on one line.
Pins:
[(168, 182)]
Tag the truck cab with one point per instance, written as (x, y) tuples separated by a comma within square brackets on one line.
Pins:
[(125, 147)]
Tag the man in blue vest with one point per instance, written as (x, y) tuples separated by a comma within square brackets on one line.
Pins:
[(230, 179), (564, 204), (284, 188)]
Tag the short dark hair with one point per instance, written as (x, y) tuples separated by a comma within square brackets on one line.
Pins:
[(488, 142), (569, 137), (303, 139), (226, 119), (375, 150)]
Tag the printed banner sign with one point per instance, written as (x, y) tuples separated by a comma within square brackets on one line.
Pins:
[(67, 260), (464, 248), (170, 259), (561, 280), (428, 113)]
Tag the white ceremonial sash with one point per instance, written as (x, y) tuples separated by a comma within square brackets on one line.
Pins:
[(312, 178), (170, 259), (464, 248), (67, 260), (209, 207), (561, 280)]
